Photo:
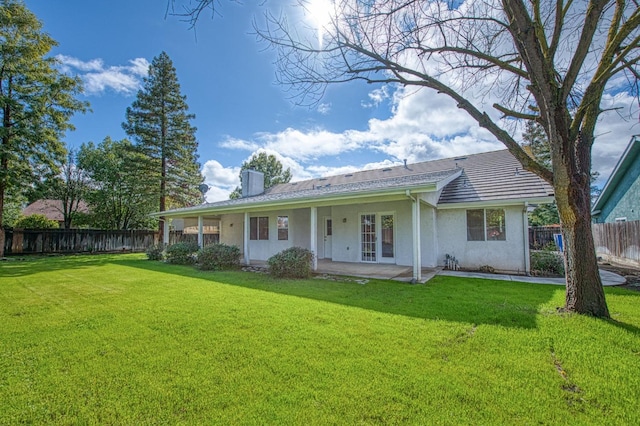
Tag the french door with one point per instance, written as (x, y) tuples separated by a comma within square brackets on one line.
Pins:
[(377, 237)]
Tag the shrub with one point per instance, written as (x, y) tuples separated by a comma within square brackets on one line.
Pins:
[(155, 252), (219, 256), (547, 263), (35, 221), (182, 253), (294, 262)]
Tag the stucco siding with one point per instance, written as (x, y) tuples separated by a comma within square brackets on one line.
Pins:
[(429, 240), (625, 199), (231, 230), (346, 230), (507, 255)]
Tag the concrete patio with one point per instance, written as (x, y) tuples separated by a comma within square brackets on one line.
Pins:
[(405, 273)]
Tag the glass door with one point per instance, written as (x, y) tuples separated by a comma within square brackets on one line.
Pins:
[(387, 243), (368, 238)]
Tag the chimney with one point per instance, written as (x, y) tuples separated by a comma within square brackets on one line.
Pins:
[(252, 183)]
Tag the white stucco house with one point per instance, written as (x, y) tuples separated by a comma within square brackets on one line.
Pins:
[(473, 208)]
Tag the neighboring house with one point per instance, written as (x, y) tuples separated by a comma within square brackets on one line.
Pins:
[(51, 209), (619, 200), (472, 207)]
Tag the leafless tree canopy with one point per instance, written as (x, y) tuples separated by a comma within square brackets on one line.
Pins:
[(526, 58)]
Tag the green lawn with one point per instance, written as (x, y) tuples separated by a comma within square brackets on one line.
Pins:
[(116, 339)]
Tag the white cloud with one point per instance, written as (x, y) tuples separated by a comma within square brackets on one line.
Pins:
[(613, 132), (98, 78), (221, 180), (324, 109), (424, 125), (376, 97)]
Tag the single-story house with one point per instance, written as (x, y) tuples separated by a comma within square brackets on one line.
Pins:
[(52, 209), (473, 208), (619, 199)]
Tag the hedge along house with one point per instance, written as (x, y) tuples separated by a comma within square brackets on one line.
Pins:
[(473, 208)]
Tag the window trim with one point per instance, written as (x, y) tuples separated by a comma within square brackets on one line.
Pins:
[(485, 225), (259, 228)]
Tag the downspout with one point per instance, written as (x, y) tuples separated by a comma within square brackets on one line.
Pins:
[(525, 227), (417, 267)]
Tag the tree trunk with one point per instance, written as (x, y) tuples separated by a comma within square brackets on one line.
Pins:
[(572, 185), (2, 236), (585, 294)]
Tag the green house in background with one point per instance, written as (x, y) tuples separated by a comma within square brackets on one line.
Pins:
[(619, 200)]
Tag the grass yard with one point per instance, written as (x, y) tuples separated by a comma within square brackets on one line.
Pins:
[(117, 339)]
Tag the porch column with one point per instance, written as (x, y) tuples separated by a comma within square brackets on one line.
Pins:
[(165, 234), (200, 233), (313, 240), (525, 231), (417, 240), (434, 232), (246, 239)]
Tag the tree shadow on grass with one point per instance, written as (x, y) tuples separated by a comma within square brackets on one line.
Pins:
[(468, 300), (28, 265)]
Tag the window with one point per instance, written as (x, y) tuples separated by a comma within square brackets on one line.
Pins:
[(475, 225), (495, 225), (486, 225), (259, 228), (620, 219), (283, 227)]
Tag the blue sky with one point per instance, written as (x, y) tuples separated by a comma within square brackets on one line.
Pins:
[(229, 80)]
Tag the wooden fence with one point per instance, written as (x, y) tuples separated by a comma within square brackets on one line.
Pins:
[(38, 241), (178, 237), (541, 236), (618, 242)]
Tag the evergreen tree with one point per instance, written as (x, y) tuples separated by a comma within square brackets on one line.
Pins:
[(159, 122), (269, 166), (36, 101), (119, 196)]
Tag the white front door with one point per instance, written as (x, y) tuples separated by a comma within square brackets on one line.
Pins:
[(328, 233)]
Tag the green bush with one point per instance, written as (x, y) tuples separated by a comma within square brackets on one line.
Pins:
[(182, 253), (35, 221), (155, 252), (294, 262), (219, 256), (547, 263)]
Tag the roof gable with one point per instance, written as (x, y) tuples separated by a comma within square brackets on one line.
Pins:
[(619, 172)]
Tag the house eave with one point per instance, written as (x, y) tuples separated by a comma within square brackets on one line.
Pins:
[(373, 195), (496, 203)]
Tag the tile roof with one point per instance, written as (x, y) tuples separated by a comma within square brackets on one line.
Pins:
[(488, 176), (494, 176), (52, 209)]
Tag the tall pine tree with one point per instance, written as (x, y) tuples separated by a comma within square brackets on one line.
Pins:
[(36, 104), (159, 122)]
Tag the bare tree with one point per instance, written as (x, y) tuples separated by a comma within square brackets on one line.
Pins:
[(544, 60)]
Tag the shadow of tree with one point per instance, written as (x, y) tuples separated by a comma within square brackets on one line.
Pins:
[(29, 265), (468, 300)]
